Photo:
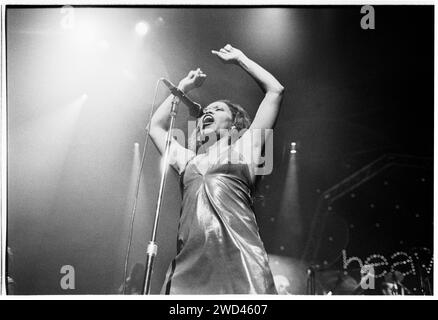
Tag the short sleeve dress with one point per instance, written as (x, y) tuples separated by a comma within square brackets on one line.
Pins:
[(219, 250)]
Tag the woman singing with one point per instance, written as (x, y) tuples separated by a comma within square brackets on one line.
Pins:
[(219, 250)]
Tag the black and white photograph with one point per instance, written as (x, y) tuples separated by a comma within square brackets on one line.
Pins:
[(223, 150)]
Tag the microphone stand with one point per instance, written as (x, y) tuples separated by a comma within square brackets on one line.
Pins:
[(152, 247)]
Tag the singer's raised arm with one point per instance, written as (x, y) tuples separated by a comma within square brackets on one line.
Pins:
[(252, 141), (160, 121)]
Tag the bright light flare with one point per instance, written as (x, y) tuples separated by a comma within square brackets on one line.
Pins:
[(85, 33), (142, 28), (103, 45)]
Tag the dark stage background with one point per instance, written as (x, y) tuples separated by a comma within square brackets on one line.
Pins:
[(78, 101)]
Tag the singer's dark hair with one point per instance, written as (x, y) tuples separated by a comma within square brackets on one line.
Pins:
[(241, 118)]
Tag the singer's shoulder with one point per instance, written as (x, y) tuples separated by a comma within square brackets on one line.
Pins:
[(179, 156)]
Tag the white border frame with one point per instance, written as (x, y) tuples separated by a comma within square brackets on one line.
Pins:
[(4, 142)]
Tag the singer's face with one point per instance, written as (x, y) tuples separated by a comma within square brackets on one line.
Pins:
[(217, 116)]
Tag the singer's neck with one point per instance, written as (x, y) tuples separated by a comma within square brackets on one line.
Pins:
[(220, 144)]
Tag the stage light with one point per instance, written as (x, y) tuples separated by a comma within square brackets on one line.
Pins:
[(159, 22), (293, 147), (84, 97), (141, 28), (289, 210)]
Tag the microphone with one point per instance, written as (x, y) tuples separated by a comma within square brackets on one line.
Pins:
[(195, 108)]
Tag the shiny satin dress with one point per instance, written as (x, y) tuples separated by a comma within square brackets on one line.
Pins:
[(219, 250)]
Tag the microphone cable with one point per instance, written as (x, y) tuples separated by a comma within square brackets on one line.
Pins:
[(137, 189)]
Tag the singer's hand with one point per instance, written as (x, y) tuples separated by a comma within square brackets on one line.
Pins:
[(193, 80), (228, 54)]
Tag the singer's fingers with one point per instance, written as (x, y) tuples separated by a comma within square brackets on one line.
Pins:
[(221, 55), (228, 47), (200, 74), (223, 50)]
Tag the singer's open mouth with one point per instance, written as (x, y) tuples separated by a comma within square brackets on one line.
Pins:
[(207, 120)]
